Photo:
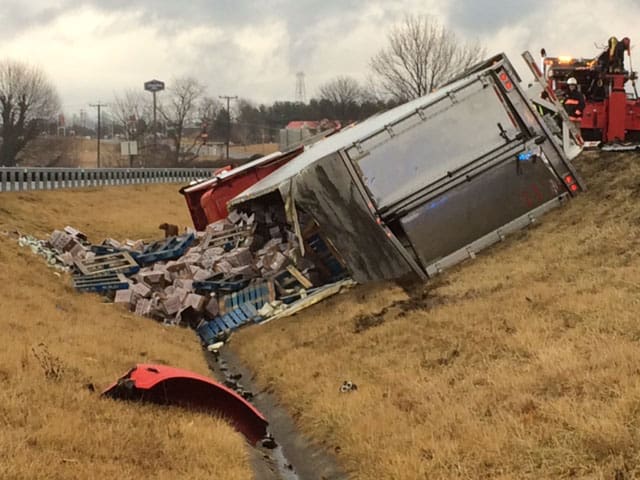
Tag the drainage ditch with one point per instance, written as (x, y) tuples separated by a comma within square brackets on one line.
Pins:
[(285, 454)]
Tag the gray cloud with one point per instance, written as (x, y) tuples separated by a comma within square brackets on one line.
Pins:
[(477, 17), (16, 17), (305, 20), (141, 39)]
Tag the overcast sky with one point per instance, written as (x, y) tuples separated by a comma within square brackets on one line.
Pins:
[(93, 49)]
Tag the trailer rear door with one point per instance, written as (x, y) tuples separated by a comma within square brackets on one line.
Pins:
[(472, 209), (460, 169)]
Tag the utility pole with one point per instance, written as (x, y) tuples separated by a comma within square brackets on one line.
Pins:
[(228, 99), (98, 106), (155, 123)]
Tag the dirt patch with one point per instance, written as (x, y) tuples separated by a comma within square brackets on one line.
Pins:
[(365, 322), (423, 298)]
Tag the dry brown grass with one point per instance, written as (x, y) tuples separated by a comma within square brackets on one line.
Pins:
[(261, 148), (524, 363), (56, 342)]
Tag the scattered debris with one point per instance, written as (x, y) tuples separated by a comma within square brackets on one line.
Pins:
[(214, 347), (244, 269), (348, 386), (42, 248), (173, 386), (269, 442)]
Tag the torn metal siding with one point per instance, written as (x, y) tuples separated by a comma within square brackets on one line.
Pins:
[(326, 191)]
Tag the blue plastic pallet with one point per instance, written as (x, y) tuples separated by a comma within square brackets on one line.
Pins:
[(225, 285), (209, 331), (206, 334), (100, 283), (105, 249), (319, 246), (255, 295), (168, 249)]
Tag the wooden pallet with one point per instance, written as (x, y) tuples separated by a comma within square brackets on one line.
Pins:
[(101, 283), (168, 249), (229, 239), (297, 274), (288, 282), (120, 262)]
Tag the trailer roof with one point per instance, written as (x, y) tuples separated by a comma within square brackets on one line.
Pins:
[(344, 139)]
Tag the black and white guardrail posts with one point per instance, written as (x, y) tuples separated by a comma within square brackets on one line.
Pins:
[(14, 179)]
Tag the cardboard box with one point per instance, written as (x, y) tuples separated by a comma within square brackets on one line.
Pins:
[(124, 296), (195, 301)]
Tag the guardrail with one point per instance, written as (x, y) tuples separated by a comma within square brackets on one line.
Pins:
[(15, 179)]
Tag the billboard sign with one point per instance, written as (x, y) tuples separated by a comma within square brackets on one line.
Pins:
[(154, 85)]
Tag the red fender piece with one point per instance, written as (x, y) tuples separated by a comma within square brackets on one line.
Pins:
[(173, 386)]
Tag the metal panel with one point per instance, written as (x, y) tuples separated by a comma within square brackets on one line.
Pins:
[(435, 147), (469, 251), (346, 139), (475, 208), (328, 194)]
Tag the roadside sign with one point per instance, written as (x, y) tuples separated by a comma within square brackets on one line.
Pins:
[(128, 148), (154, 85)]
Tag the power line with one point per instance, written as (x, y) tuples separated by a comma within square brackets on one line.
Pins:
[(98, 106)]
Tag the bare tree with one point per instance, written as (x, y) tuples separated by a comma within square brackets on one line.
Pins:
[(27, 101), (131, 111), (421, 56), (208, 109), (178, 110), (343, 93)]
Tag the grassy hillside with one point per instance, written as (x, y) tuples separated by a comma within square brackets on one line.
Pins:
[(524, 363), (58, 346)]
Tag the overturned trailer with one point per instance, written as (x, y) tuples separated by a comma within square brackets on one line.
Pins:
[(423, 186)]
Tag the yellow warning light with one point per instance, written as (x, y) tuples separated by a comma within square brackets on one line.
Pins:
[(565, 59)]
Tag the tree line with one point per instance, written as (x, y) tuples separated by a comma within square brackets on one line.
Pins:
[(421, 54)]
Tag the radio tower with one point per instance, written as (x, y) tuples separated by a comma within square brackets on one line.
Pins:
[(301, 91)]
